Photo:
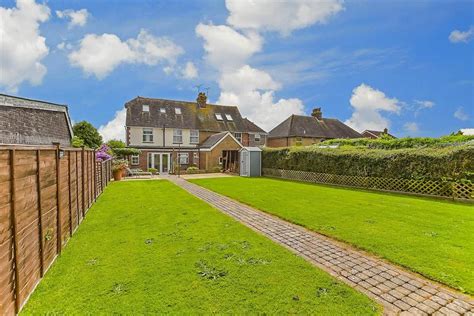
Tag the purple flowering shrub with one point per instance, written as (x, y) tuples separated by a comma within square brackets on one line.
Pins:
[(103, 153)]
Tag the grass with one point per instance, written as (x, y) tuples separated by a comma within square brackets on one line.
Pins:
[(432, 237), (148, 247)]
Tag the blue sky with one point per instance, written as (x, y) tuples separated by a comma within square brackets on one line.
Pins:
[(407, 65)]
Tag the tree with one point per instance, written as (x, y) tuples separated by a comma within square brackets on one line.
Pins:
[(115, 143), (88, 133), (77, 142)]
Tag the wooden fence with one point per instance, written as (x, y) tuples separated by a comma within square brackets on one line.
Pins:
[(447, 189), (45, 192)]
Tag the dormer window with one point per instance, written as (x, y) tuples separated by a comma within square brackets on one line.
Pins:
[(146, 108), (162, 110), (228, 117), (177, 110), (219, 117)]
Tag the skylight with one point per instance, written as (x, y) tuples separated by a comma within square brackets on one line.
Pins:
[(146, 108), (162, 110), (228, 117), (219, 117), (177, 110)]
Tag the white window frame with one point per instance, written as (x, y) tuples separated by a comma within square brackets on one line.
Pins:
[(145, 108), (135, 160), (221, 160), (162, 110), (229, 117), (239, 137), (147, 135), (219, 117), (177, 136), (183, 158), (257, 137), (177, 110), (194, 139)]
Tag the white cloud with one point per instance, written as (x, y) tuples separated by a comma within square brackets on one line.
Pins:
[(63, 46), (99, 55), (114, 129), (21, 46), (189, 71), (460, 114), (280, 16), (368, 103), (424, 104), (411, 127), (457, 36), (77, 18), (246, 79)]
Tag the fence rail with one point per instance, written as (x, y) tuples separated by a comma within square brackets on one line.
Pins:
[(45, 193), (446, 189)]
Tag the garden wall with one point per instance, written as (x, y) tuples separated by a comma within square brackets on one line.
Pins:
[(45, 192)]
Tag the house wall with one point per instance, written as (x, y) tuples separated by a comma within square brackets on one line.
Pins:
[(143, 158), (253, 143), (136, 137)]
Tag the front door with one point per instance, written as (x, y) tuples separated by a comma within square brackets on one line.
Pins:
[(160, 161)]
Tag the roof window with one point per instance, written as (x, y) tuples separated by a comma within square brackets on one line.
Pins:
[(146, 108), (177, 110), (229, 117), (162, 110), (219, 117)]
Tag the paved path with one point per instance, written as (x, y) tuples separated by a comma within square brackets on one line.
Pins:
[(397, 290)]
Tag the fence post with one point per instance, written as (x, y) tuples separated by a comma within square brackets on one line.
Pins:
[(83, 184), (40, 217), (69, 189), (58, 200), (14, 229)]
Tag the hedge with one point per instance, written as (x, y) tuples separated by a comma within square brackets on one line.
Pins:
[(454, 162)]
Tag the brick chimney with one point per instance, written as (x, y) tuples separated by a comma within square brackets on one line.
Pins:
[(201, 100), (317, 113), (385, 131)]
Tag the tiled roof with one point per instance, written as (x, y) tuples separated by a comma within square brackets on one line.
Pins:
[(191, 116), (213, 139), (252, 127), (376, 133), (309, 126)]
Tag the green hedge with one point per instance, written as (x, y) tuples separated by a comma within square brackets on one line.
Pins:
[(454, 162)]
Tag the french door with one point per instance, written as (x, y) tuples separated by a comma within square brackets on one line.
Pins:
[(160, 161)]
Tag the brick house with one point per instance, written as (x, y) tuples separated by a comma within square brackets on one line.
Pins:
[(171, 133), (376, 134), (33, 122), (299, 130)]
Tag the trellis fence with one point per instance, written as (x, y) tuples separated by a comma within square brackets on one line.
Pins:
[(446, 189), (45, 192)]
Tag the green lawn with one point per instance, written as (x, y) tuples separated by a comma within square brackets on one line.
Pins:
[(432, 237), (149, 247)]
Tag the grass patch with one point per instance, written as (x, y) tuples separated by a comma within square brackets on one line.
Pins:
[(148, 247), (434, 238)]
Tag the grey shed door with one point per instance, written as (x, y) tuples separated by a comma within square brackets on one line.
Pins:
[(244, 166)]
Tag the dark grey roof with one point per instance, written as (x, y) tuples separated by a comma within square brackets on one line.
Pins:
[(309, 126), (33, 122), (213, 139), (192, 116), (376, 133), (252, 127)]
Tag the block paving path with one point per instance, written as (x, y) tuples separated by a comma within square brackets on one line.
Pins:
[(399, 291)]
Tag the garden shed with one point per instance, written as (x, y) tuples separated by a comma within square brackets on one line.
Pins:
[(250, 162)]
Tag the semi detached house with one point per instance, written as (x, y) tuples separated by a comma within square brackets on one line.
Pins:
[(171, 133)]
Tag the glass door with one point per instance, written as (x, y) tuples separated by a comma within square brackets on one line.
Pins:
[(165, 163), (157, 162)]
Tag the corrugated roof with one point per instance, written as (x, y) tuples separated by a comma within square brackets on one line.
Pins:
[(309, 126), (192, 116)]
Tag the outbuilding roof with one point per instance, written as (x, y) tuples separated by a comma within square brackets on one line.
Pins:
[(309, 126)]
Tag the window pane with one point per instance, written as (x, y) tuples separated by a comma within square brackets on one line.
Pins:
[(229, 117), (177, 110), (162, 110), (218, 116), (146, 108)]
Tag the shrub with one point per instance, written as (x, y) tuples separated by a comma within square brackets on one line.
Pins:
[(215, 170), (192, 170), (152, 170), (455, 162), (119, 164)]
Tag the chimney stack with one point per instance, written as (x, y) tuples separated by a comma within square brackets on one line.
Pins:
[(201, 100), (385, 131), (317, 113)]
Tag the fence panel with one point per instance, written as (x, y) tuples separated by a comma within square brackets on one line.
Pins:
[(44, 193), (446, 189)]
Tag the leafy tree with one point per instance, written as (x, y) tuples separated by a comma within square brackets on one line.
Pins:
[(88, 133), (77, 142), (115, 143)]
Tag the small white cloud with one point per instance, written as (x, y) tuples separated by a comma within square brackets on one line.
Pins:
[(368, 103), (76, 18), (99, 55), (424, 104), (63, 46), (114, 129), (280, 16), (411, 127), (189, 71), (460, 114), (21, 46), (168, 70), (457, 36)]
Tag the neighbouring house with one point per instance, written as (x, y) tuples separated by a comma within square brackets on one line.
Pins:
[(376, 134), (171, 133), (467, 131), (299, 130), (33, 122)]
